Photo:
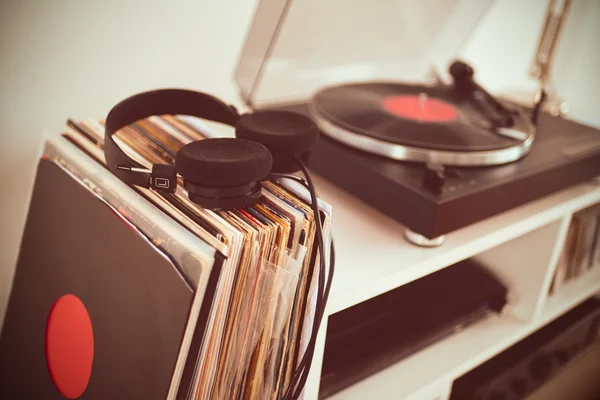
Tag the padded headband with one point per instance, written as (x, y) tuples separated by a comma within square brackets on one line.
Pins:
[(157, 102)]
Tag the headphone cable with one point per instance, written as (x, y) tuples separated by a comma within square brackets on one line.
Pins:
[(302, 380), (301, 374)]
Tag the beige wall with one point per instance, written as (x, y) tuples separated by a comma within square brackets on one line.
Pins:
[(76, 58)]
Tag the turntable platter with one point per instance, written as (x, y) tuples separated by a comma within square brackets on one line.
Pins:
[(414, 123)]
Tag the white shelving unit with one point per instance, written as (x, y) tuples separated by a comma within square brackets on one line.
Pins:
[(521, 247)]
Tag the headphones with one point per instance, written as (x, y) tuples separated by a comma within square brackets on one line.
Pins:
[(218, 173), (223, 173)]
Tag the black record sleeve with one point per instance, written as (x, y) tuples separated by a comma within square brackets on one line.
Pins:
[(137, 300)]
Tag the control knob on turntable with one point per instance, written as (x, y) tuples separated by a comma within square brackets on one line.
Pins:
[(434, 177)]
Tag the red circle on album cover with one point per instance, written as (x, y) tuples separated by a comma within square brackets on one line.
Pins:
[(69, 346), (418, 108)]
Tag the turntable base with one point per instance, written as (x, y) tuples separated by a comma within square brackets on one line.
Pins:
[(564, 153)]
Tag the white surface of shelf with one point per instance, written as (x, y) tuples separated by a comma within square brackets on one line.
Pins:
[(373, 257), (522, 265)]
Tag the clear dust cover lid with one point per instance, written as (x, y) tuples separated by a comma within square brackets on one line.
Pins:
[(296, 47)]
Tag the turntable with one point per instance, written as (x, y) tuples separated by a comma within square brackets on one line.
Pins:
[(434, 124), (434, 151)]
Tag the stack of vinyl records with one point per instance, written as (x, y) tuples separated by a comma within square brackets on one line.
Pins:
[(581, 250), (154, 338)]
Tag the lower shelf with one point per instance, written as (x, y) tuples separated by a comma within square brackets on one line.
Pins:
[(450, 358), (571, 294)]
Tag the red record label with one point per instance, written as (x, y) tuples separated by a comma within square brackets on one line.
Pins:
[(69, 346), (420, 108)]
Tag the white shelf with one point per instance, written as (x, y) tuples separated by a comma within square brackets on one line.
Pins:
[(441, 361), (373, 257), (572, 294), (520, 246), (450, 358)]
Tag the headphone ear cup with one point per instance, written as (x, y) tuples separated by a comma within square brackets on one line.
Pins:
[(286, 134), (223, 172)]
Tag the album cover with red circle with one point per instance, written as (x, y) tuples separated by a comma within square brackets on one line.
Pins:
[(95, 312)]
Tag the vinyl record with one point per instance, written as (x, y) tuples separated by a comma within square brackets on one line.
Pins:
[(415, 123)]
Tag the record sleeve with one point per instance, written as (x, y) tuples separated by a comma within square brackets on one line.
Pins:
[(136, 299)]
